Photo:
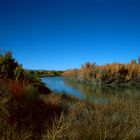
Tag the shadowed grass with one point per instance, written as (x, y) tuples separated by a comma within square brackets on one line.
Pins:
[(29, 115)]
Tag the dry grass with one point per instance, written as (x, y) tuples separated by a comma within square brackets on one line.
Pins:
[(107, 74), (61, 117), (118, 120)]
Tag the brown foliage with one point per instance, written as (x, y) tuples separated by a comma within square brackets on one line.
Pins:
[(16, 89), (105, 74)]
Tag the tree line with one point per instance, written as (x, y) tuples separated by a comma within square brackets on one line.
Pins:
[(115, 73)]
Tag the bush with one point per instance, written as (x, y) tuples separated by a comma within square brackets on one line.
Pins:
[(7, 66), (105, 74)]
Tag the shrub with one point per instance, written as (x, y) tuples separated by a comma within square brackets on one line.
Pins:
[(19, 73), (105, 74), (7, 66)]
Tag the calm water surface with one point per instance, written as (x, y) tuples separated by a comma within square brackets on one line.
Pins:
[(90, 93)]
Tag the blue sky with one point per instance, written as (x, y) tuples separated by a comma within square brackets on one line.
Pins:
[(63, 34)]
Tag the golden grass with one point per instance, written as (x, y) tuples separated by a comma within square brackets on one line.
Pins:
[(118, 120), (61, 117)]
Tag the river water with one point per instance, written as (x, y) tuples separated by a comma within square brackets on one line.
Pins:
[(90, 93)]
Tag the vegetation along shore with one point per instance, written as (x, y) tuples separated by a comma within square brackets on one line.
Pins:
[(115, 73), (30, 111)]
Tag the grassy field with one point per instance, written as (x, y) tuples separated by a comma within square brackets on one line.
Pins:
[(26, 114)]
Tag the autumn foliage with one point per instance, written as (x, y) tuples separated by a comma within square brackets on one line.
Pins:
[(115, 73), (16, 78), (16, 89), (10, 69)]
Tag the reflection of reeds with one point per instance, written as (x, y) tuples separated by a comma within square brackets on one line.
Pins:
[(103, 94)]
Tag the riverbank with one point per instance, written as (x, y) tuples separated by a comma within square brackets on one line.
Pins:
[(93, 94), (33, 116), (30, 111), (27, 114), (109, 74), (46, 73)]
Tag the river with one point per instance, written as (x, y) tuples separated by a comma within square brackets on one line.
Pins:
[(90, 93)]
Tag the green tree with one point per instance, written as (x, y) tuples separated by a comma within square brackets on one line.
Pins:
[(7, 65)]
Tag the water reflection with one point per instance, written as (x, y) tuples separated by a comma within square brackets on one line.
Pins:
[(100, 94), (58, 85), (125, 92)]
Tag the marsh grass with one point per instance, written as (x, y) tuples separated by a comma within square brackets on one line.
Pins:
[(32, 116), (117, 120)]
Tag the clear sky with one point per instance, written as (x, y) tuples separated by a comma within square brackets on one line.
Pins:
[(63, 34)]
